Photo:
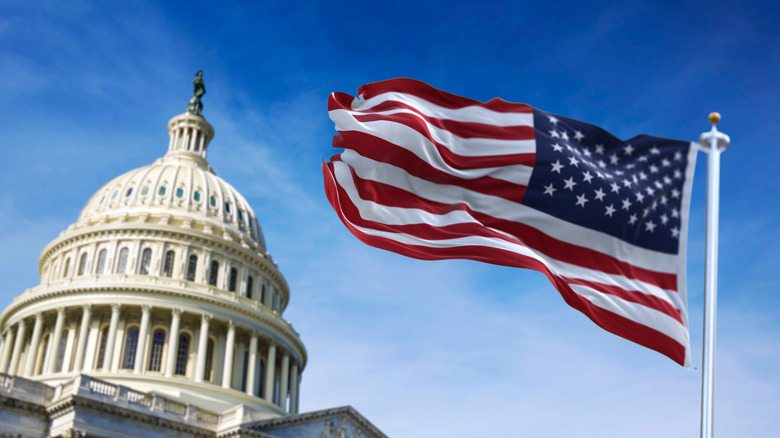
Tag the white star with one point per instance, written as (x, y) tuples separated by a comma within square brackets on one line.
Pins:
[(677, 173), (573, 161), (599, 148), (642, 176), (628, 150), (569, 183), (557, 166), (581, 200), (667, 180), (554, 134), (586, 152), (552, 120), (653, 168), (587, 176), (627, 183), (650, 190), (615, 187), (578, 135), (654, 150), (632, 219), (613, 159), (610, 210), (678, 155), (557, 147), (665, 162), (675, 232), (650, 226), (626, 204), (642, 158), (664, 219), (675, 214), (602, 164), (600, 194), (564, 135), (640, 197), (549, 189), (619, 172), (675, 193), (658, 185), (664, 199)]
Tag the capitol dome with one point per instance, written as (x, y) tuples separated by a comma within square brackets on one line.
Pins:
[(163, 285)]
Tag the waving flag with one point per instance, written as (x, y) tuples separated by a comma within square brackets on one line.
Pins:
[(432, 175)]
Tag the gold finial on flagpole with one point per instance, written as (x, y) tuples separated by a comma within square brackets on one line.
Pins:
[(714, 118)]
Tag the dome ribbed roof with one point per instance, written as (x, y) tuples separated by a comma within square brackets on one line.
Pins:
[(181, 184)]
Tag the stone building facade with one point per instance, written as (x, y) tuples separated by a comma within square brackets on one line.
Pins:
[(160, 313)]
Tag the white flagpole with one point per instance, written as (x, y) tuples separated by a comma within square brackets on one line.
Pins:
[(713, 143)]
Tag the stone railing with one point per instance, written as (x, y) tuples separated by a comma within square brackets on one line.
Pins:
[(26, 389), (87, 386)]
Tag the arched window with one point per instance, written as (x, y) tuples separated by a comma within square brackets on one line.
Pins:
[(168, 266), (44, 346), (66, 268), (213, 272), (83, 264), (259, 378), (131, 345), (161, 192), (232, 279), (209, 360), (121, 266), (249, 285), (61, 351), (155, 356), (146, 261), (102, 348), (183, 354), (179, 192), (101, 265), (262, 294), (192, 267)]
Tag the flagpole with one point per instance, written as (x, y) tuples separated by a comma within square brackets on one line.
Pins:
[(713, 143)]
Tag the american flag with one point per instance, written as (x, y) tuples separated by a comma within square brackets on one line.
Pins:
[(432, 175)]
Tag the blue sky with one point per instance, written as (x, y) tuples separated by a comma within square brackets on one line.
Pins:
[(422, 349)]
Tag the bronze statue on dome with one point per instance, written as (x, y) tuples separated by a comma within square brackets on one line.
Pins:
[(195, 106)]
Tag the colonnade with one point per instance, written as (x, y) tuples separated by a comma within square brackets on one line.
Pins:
[(147, 340)]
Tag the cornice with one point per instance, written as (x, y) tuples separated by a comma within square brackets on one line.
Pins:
[(346, 411)]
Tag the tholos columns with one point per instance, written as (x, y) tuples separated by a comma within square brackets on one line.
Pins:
[(55, 346), (294, 388), (283, 380), (108, 357), (21, 332), (270, 367), (82, 341), (203, 339), (173, 343), (252, 368), (138, 365), (32, 352), (227, 374)]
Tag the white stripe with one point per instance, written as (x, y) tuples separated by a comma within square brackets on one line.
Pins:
[(371, 211), (646, 316), (416, 143), (470, 147), (475, 114), (501, 208)]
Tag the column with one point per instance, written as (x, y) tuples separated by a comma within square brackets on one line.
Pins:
[(6, 356), (67, 358), (173, 342), (294, 388), (51, 367), (32, 355), (82, 341), (284, 378), (20, 334), (140, 349), (108, 359), (203, 340), (227, 374), (252, 368), (270, 367)]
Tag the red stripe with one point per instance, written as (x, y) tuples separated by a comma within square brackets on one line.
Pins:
[(436, 96), (372, 191), (609, 321), (634, 296), (460, 128), (527, 235), (383, 151)]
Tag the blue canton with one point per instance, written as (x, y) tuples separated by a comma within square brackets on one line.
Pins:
[(629, 189)]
